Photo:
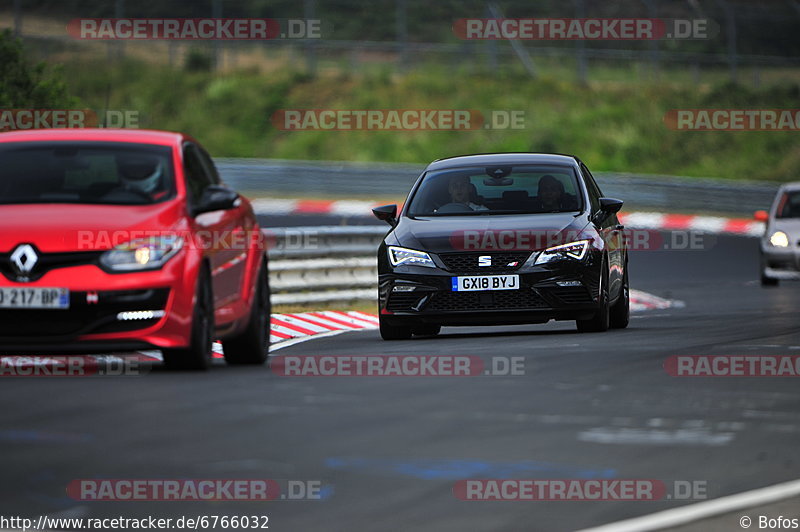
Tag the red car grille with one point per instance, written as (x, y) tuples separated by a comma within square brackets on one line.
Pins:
[(49, 261), (83, 316)]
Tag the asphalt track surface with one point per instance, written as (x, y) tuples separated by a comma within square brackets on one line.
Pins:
[(389, 449)]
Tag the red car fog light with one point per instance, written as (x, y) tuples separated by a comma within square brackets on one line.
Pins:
[(135, 315)]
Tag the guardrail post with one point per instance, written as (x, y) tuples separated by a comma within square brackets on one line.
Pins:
[(402, 32), (516, 45), (216, 12), (655, 52), (17, 18), (580, 45), (491, 44), (310, 45), (730, 30)]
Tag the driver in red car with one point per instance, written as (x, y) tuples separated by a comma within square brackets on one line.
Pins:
[(143, 174)]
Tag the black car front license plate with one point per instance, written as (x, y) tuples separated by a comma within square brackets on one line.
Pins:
[(474, 283)]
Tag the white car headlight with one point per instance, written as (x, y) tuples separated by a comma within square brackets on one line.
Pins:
[(403, 256), (573, 250), (142, 254), (779, 239)]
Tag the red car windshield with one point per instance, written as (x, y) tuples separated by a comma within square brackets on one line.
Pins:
[(85, 172)]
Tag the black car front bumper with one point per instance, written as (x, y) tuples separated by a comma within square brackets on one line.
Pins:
[(565, 290)]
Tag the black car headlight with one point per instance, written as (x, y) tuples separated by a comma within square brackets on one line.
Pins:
[(142, 254), (403, 256), (572, 250)]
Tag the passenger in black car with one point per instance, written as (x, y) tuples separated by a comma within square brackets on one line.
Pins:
[(551, 196)]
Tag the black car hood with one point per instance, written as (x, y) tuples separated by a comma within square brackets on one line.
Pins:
[(442, 234)]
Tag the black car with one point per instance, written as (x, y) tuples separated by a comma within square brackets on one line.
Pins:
[(500, 239)]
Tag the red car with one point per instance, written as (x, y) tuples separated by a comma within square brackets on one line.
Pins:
[(116, 240)]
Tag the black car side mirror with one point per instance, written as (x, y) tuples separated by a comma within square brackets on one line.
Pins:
[(216, 198), (608, 206), (387, 213)]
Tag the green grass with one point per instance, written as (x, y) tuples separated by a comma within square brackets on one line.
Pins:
[(612, 125)]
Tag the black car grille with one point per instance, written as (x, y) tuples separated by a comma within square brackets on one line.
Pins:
[(574, 296), (486, 300), (83, 317), (468, 262), (48, 261)]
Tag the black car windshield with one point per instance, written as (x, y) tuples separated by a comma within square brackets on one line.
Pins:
[(114, 173), (493, 190), (789, 206)]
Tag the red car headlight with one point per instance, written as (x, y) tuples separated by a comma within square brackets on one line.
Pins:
[(142, 254)]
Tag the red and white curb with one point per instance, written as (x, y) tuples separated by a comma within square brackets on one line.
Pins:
[(634, 220), (288, 329), (289, 326), (644, 301), (689, 222)]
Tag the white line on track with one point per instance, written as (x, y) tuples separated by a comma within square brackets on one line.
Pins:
[(703, 510), (300, 340)]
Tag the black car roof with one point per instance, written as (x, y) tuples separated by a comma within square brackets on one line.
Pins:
[(502, 159)]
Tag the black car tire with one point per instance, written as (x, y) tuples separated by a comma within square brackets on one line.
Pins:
[(393, 332), (600, 321), (198, 355), (427, 330), (251, 346), (620, 313), (768, 281)]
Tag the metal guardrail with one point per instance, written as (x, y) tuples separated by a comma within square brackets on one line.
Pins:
[(324, 241), (323, 264), (342, 179)]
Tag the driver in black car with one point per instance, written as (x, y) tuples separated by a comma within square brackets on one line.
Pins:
[(460, 190)]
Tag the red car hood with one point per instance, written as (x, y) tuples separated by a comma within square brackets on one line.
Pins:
[(73, 227)]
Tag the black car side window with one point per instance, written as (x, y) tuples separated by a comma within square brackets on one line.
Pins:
[(591, 186)]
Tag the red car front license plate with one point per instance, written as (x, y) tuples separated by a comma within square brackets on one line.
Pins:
[(34, 298)]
